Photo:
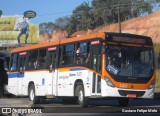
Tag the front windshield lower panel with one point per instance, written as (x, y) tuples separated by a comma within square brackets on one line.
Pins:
[(129, 64)]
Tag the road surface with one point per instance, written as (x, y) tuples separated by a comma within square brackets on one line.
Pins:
[(96, 107)]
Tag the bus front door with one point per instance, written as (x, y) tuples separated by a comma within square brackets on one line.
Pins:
[(52, 73), (21, 70), (96, 66)]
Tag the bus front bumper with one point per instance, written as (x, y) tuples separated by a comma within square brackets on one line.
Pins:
[(128, 93)]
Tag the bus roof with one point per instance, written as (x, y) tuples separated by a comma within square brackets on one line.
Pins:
[(67, 40), (101, 35)]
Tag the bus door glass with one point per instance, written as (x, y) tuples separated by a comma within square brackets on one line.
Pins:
[(21, 70), (52, 73), (96, 66), (22, 59)]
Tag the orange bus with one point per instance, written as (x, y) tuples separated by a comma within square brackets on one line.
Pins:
[(100, 65)]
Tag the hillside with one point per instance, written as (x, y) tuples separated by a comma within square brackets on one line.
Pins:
[(146, 25)]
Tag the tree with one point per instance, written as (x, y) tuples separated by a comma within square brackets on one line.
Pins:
[(61, 23), (72, 25), (42, 28), (83, 17), (101, 12), (106, 11), (46, 28)]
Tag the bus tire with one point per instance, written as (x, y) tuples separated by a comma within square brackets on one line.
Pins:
[(82, 100), (123, 101), (32, 96)]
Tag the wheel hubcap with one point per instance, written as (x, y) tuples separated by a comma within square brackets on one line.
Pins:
[(80, 96), (32, 94)]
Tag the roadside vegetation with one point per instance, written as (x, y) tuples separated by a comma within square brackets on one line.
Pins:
[(157, 51)]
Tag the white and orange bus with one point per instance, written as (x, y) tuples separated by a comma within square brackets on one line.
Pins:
[(100, 65)]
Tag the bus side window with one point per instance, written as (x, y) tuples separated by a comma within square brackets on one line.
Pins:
[(33, 59), (41, 58), (82, 53), (51, 60), (14, 62), (60, 60), (21, 66), (88, 55), (47, 60), (78, 59), (68, 54)]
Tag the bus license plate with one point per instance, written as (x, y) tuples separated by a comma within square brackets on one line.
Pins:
[(131, 95)]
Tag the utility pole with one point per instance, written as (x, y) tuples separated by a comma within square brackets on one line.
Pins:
[(119, 19), (132, 10)]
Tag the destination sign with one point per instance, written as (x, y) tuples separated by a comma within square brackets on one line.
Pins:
[(22, 53), (52, 49), (128, 40), (95, 42)]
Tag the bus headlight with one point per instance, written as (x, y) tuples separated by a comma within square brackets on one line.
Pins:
[(152, 85), (109, 83)]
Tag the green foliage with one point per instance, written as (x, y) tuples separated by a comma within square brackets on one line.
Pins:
[(60, 23), (83, 16), (99, 13), (107, 10), (43, 28)]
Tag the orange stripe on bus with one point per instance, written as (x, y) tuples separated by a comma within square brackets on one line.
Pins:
[(64, 69), (53, 43), (36, 46)]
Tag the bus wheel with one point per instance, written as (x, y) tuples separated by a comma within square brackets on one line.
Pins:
[(32, 96), (82, 100), (123, 101)]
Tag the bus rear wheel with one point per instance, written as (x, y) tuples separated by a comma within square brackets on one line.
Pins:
[(123, 101), (82, 100), (32, 96)]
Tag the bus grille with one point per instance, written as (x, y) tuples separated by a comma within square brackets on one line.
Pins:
[(125, 93)]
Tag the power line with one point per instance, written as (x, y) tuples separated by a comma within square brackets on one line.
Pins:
[(113, 6), (55, 13)]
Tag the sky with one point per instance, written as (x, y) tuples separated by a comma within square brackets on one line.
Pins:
[(46, 10)]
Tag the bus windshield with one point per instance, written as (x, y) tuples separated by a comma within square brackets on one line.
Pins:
[(133, 62)]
